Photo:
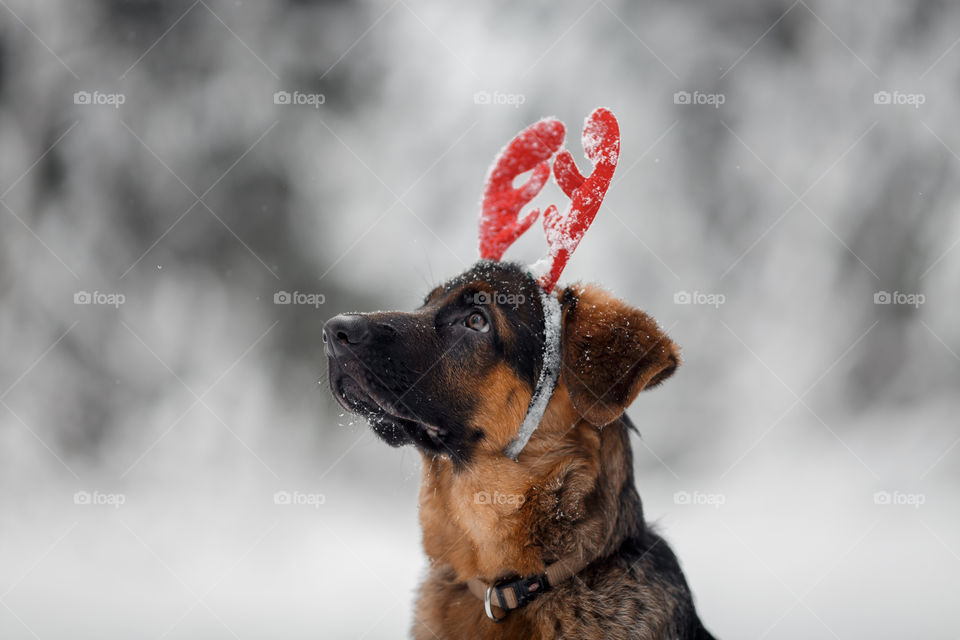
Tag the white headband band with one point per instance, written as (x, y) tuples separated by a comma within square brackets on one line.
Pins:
[(549, 374)]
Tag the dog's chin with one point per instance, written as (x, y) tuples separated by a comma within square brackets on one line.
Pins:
[(396, 430)]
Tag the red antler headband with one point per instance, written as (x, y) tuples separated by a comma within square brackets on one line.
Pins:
[(532, 148), (501, 224)]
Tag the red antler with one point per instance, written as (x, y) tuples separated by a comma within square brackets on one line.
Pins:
[(500, 222), (601, 142)]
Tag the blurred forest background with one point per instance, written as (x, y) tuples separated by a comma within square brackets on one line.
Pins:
[(786, 168)]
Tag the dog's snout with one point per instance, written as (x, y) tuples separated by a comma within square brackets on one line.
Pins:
[(345, 332)]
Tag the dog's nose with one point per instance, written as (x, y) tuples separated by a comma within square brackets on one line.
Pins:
[(343, 333)]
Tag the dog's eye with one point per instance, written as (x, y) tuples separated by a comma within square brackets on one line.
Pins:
[(478, 322)]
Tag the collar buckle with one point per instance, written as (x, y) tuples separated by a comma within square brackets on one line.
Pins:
[(527, 589), (524, 591)]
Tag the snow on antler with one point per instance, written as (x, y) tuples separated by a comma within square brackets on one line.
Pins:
[(500, 222), (601, 143)]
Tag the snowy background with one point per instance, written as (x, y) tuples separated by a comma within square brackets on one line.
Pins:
[(783, 164)]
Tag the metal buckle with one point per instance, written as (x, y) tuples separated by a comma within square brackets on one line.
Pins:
[(487, 606), (524, 589)]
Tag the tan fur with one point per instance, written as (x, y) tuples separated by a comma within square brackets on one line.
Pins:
[(503, 402)]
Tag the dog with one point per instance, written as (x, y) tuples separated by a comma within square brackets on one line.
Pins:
[(534, 533)]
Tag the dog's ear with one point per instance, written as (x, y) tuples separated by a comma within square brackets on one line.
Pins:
[(611, 352)]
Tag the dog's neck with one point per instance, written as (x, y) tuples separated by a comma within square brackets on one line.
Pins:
[(497, 517)]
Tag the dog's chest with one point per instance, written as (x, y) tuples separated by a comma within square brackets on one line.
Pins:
[(473, 521)]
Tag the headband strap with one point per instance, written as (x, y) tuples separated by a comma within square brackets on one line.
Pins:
[(549, 374)]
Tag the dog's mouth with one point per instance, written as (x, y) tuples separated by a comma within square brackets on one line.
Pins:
[(390, 420)]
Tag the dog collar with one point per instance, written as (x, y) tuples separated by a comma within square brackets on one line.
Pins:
[(509, 595), (549, 374)]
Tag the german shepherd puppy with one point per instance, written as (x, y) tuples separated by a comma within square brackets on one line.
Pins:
[(454, 378)]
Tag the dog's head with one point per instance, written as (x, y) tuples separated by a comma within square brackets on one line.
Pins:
[(458, 373)]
